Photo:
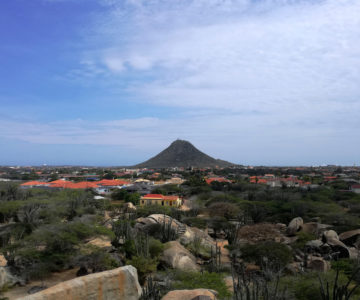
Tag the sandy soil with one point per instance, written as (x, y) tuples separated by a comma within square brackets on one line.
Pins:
[(55, 278)]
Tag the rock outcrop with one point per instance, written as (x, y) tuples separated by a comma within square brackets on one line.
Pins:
[(351, 238), (177, 257), (121, 283), (190, 294), (294, 226)]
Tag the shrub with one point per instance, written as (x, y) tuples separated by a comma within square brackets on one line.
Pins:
[(143, 265), (206, 280), (195, 222), (274, 255), (302, 239), (155, 247)]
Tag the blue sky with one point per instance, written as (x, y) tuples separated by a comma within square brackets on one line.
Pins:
[(108, 82)]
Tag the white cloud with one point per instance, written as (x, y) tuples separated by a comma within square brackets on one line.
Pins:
[(237, 55)]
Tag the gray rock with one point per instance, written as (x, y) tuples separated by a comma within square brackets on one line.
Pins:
[(294, 226), (177, 257), (329, 235), (351, 238), (121, 283), (318, 264), (314, 245), (190, 294)]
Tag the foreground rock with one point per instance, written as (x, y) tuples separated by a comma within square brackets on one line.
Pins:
[(177, 257), (190, 294), (121, 283)]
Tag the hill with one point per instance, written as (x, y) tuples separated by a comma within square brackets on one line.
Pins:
[(183, 154)]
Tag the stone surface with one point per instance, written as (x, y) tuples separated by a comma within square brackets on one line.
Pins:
[(3, 261), (318, 264), (121, 283), (129, 207), (329, 235), (339, 248), (314, 245), (189, 294), (177, 257), (101, 242), (351, 238), (294, 225)]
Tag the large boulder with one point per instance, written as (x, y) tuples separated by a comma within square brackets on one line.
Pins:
[(338, 248), (190, 294), (143, 223), (294, 226), (318, 264), (177, 257), (121, 283), (192, 233), (329, 235), (314, 246), (351, 238)]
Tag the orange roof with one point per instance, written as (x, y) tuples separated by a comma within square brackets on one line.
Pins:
[(63, 184), (30, 183), (84, 185), (157, 196), (171, 197), (114, 182), (218, 179)]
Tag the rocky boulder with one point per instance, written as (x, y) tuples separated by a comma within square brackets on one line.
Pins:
[(190, 294), (318, 264), (351, 238), (177, 257), (191, 233), (143, 223), (121, 283), (294, 226), (329, 235)]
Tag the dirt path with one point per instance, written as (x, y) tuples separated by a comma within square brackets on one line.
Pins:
[(55, 278)]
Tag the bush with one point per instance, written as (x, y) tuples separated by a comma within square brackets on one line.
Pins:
[(272, 254), (302, 239), (143, 265), (156, 248), (205, 280)]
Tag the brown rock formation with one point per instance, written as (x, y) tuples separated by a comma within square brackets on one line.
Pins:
[(121, 283)]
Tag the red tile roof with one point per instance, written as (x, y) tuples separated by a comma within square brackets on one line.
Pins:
[(157, 196), (114, 182)]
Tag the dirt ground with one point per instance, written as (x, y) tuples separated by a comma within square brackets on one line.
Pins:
[(55, 278)]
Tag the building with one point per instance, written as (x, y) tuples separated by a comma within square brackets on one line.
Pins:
[(158, 199), (355, 188)]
